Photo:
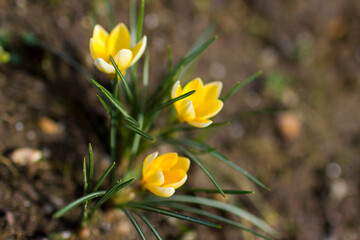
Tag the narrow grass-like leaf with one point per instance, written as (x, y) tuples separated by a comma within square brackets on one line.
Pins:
[(132, 20), (145, 82), (115, 188), (220, 205), (140, 132), (91, 166), (204, 190), (171, 101), (103, 103), (216, 217), (149, 224), (110, 13), (196, 52), (140, 21), (114, 101), (85, 177), (213, 152), (190, 128), (240, 85), (197, 162), (171, 214), (103, 176), (123, 80), (78, 202), (135, 223)]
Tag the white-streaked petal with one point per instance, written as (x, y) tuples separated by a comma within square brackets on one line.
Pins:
[(212, 90), (97, 49), (186, 110), (118, 39), (123, 58), (175, 90), (100, 34), (175, 178), (200, 124), (149, 158), (104, 66), (161, 191), (138, 50), (209, 109), (154, 177)]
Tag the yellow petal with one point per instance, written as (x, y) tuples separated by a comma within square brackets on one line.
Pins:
[(119, 38), (100, 34), (97, 49), (123, 59), (200, 123), (195, 84), (176, 91), (154, 177), (138, 50), (175, 178), (104, 66), (161, 191), (186, 110), (212, 90), (164, 162), (183, 163), (149, 158), (209, 109)]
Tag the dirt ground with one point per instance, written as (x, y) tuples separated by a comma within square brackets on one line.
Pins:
[(296, 128)]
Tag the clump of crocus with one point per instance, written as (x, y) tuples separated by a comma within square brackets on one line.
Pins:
[(165, 173), (117, 44), (200, 106)]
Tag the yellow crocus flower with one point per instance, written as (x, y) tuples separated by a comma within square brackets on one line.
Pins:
[(200, 106), (165, 173), (116, 44)]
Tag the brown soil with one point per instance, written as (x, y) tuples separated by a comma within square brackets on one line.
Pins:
[(308, 154)]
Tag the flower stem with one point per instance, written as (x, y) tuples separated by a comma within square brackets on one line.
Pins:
[(113, 130)]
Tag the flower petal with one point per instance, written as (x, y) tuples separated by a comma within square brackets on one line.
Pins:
[(175, 178), (195, 84), (185, 110), (123, 59), (209, 109), (182, 163), (164, 162), (119, 38), (176, 91), (149, 158), (138, 50), (154, 177), (100, 34), (104, 66), (161, 191), (97, 49), (201, 123), (212, 90)]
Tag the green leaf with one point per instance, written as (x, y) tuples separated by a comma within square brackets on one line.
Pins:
[(109, 193), (114, 102), (240, 85), (170, 214), (145, 82), (195, 160), (149, 224), (103, 176), (103, 103), (140, 21), (191, 128), (171, 101), (85, 177), (213, 152), (135, 223), (204, 190), (219, 205), (216, 217), (196, 52), (110, 13), (91, 166), (140, 132), (78, 202), (123, 80)]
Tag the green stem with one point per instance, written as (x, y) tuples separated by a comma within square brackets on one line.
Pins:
[(113, 130)]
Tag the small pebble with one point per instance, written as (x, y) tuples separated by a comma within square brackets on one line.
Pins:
[(31, 135), (25, 156), (19, 126), (217, 70), (49, 126), (333, 170), (288, 125)]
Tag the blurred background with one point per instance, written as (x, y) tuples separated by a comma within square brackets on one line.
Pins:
[(296, 128)]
